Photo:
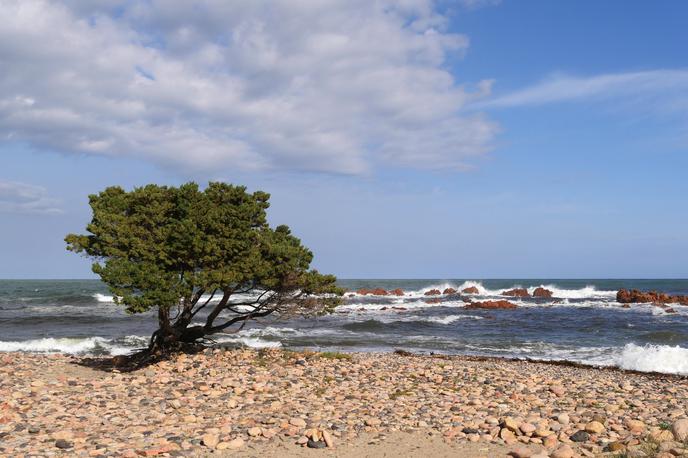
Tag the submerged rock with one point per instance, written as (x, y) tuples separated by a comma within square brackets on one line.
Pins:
[(635, 296), (516, 292), (491, 305), (374, 292), (542, 292)]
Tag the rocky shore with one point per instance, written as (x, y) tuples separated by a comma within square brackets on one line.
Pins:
[(226, 402)]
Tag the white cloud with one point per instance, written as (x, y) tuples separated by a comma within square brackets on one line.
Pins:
[(474, 4), (25, 198), (333, 86), (662, 89)]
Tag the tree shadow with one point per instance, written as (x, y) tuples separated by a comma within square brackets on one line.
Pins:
[(138, 360)]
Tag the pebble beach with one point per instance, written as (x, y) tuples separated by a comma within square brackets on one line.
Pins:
[(225, 402)]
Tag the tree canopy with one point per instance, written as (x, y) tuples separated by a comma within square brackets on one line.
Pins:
[(205, 254)]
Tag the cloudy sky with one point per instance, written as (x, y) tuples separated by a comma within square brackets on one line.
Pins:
[(410, 138)]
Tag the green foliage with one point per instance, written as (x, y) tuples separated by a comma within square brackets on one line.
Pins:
[(164, 247)]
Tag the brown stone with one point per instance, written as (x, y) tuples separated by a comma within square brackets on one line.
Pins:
[(329, 440), (635, 296), (516, 292), (564, 451), (298, 422), (210, 440), (374, 292), (491, 305), (680, 429), (542, 292)]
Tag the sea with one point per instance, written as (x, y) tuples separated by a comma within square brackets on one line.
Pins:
[(581, 323)]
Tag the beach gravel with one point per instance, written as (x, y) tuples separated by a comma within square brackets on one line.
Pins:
[(248, 401)]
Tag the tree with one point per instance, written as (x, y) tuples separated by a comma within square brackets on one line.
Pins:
[(195, 255)]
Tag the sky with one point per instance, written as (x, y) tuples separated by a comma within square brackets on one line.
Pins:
[(398, 139)]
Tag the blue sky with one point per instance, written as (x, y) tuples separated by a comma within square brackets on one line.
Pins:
[(464, 139)]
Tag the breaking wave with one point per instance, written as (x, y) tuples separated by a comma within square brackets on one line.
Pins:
[(587, 292), (654, 358), (76, 345)]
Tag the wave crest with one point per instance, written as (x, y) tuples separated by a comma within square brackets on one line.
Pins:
[(654, 358)]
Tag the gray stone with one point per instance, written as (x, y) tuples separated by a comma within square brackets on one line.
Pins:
[(580, 436), (315, 444), (63, 444)]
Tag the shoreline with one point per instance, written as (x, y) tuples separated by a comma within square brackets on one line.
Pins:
[(227, 402), (429, 354)]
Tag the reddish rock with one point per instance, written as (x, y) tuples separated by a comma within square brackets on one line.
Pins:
[(542, 292), (374, 292), (516, 292), (434, 300), (471, 290), (449, 291), (491, 305), (397, 292), (634, 296), (433, 292)]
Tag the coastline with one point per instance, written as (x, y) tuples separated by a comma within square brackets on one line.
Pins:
[(247, 402)]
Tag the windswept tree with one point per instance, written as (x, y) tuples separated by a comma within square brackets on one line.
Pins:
[(199, 256)]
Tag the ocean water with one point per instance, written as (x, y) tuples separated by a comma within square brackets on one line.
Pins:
[(581, 323)]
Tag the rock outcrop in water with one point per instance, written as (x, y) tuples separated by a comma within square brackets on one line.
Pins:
[(396, 292), (516, 292), (374, 292), (542, 292), (491, 305), (449, 291), (635, 296), (432, 292), (471, 290)]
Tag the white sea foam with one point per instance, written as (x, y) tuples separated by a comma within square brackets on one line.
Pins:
[(103, 298), (248, 340), (74, 345), (447, 319), (366, 307), (479, 286), (654, 358), (587, 292), (648, 358)]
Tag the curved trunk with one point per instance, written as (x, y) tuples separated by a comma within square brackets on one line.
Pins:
[(169, 337)]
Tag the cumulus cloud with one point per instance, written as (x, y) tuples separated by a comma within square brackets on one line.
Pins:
[(663, 89), (331, 86), (25, 198)]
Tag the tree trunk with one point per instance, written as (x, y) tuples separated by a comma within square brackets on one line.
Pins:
[(169, 337)]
